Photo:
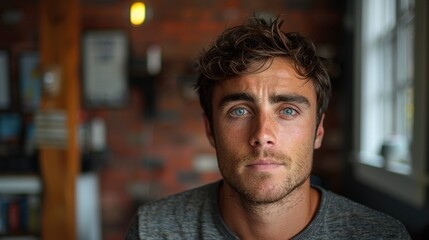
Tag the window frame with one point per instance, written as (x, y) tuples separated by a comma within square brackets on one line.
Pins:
[(410, 188)]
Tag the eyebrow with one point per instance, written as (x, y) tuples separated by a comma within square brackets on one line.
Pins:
[(273, 99), (290, 98), (236, 97)]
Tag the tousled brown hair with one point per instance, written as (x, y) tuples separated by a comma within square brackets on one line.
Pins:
[(236, 51)]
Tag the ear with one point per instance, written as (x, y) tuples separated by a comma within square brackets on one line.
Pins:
[(320, 132), (209, 132)]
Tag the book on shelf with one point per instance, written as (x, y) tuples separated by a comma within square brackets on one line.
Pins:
[(19, 214)]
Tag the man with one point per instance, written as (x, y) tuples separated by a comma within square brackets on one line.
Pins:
[(264, 94)]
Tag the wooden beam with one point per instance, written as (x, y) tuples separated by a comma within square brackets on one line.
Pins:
[(59, 49)]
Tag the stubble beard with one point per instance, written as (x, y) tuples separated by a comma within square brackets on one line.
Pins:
[(259, 189)]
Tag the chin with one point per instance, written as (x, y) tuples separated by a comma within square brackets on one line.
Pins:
[(265, 189), (260, 191), (264, 197)]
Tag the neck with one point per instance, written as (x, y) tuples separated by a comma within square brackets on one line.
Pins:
[(280, 220)]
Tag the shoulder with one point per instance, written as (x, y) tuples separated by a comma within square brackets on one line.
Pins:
[(351, 210), (351, 218), (178, 216), (177, 206), (180, 202)]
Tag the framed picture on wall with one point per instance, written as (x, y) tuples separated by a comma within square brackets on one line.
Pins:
[(105, 55), (30, 81), (5, 96)]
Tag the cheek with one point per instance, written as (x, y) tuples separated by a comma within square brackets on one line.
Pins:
[(229, 132), (231, 143), (228, 142), (297, 143), (297, 138), (301, 131)]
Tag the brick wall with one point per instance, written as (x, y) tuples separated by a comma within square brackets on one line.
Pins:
[(155, 142)]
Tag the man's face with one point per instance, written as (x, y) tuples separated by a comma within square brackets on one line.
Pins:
[(264, 132)]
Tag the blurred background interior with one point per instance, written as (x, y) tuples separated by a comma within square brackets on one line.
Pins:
[(98, 114)]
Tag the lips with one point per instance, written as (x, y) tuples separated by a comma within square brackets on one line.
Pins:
[(265, 164)]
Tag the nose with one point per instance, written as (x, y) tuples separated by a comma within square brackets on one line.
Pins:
[(263, 131)]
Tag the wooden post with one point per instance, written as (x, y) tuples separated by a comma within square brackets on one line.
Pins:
[(59, 49)]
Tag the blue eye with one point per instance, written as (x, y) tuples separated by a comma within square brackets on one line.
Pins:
[(289, 112), (239, 112)]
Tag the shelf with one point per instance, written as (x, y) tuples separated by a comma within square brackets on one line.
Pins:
[(19, 238), (20, 184)]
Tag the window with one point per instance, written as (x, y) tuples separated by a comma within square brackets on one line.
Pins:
[(389, 87)]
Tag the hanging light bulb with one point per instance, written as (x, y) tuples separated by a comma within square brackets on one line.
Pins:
[(137, 13)]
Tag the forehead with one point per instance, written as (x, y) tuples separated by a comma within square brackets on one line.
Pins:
[(279, 78)]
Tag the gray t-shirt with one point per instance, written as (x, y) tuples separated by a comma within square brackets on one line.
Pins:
[(195, 214)]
